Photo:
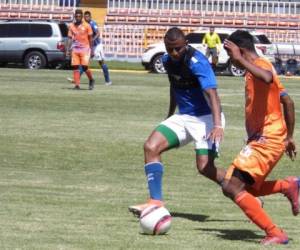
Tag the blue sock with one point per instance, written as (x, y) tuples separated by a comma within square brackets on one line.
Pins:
[(154, 172), (105, 72), (81, 70)]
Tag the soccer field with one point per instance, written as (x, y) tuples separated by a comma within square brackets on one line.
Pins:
[(71, 162)]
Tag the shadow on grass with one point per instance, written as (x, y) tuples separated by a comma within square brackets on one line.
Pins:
[(72, 88), (233, 234), (192, 217)]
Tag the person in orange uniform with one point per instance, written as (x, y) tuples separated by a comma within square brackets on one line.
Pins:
[(270, 134), (80, 42)]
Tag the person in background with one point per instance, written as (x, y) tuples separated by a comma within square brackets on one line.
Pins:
[(80, 43), (98, 47), (212, 42)]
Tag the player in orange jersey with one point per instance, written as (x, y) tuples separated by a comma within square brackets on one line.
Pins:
[(270, 134), (80, 42)]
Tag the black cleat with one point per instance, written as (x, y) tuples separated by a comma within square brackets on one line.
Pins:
[(91, 84)]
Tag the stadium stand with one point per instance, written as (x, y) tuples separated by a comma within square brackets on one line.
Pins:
[(37, 9)]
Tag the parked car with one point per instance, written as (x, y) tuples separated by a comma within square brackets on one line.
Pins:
[(151, 58), (36, 44)]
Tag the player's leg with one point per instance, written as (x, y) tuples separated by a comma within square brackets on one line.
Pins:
[(289, 186), (85, 58), (99, 56), (104, 67), (167, 135), (75, 64), (215, 56), (206, 150), (249, 169)]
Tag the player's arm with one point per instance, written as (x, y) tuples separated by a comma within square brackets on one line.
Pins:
[(206, 77), (69, 42), (289, 117), (204, 40), (236, 56), (172, 104), (217, 133), (97, 33)]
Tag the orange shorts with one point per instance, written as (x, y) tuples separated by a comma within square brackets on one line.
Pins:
[(80, 58), (257, 158)]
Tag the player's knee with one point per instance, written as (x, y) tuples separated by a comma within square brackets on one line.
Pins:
[(227, 190), (151, 148), (202, 167)]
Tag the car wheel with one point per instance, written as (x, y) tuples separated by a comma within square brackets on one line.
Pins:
[(157, 65), (35, 60), (236, 71)]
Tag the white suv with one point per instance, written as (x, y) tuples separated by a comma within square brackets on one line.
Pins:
[(151, 58)]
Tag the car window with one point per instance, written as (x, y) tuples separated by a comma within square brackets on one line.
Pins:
[(40, 30), (3, 30), (261, 39), (194, 38), (63, 29), (18, 30)]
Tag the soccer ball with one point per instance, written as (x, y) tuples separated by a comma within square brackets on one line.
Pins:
[(155, 220)]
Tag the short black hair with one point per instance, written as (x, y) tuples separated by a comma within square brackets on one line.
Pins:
[(87, 13), (174, 34), (242, 39), (78, 11)]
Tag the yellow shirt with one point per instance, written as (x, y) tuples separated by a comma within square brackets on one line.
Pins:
[(211, 40)]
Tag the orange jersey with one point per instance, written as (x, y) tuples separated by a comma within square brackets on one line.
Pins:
[(262, 108), (80, 36)]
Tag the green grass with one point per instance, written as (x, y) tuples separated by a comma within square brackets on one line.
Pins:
[(72, 161), (119, 65)]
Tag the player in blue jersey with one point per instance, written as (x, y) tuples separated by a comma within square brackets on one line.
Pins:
[(98, 47), (193, 89)]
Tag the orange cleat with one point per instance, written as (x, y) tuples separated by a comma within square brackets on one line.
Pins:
[(275, 239), (137, 209)]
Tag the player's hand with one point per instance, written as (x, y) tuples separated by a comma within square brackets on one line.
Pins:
[(290, 148), (92, 54), (233, 50), (216, 135)]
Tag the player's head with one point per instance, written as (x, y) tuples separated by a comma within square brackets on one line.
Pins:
[(211, 29), (175, 43), (243, 39), (78, 16), (87, 16)]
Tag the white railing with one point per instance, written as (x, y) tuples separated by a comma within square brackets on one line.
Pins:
[(123, 41), (270, 7), (34, 3)]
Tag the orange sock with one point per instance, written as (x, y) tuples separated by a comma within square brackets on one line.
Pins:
[(89, 74), (256, 213), (76, 75), (270, 187)]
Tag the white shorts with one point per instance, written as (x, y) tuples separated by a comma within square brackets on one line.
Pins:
[(192, 128), (98, 53)]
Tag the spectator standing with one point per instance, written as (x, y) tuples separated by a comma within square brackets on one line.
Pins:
[(212, 40)]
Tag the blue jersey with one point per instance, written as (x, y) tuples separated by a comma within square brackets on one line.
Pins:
[(189, 78), (94, 27)]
